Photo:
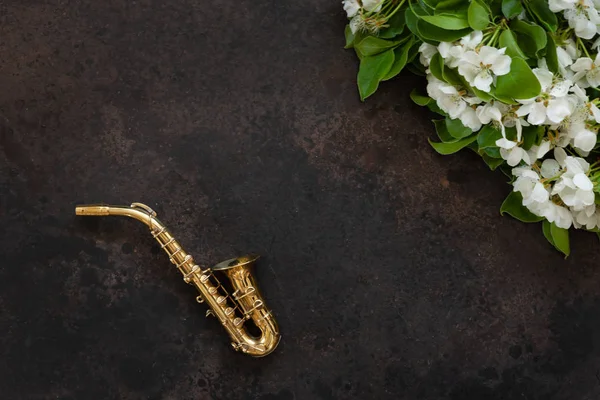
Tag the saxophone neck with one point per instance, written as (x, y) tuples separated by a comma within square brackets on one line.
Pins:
[(92, 209), (138, 211)]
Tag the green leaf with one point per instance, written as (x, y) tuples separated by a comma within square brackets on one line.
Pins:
[(453, 147), (531, 135), (487, 137), (452, 76), (429, 4), (349, 37), (372, 70), (396, 26), (493, 152), (416, 68), (412, 16), (446, 21), (436, 66), (511, 8), (509, 40), (502, 98), (519, 83), (480, 93), (419, 99), (413, 51), (442, 131), (448, 6), (436, 109), (492, 162), (547, 234), (551, 56), (400, 58), (434, 33), (531, 37), (456, 129), (478, 16), (371, 45), (542, 12), (513, 206), (411, 20), (560, 237)]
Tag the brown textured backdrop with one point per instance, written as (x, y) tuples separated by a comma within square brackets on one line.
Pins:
[(390, 270)]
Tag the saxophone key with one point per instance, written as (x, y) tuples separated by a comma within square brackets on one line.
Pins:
[(187, 277)]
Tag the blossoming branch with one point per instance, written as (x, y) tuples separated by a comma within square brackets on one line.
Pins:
[(516, 81)]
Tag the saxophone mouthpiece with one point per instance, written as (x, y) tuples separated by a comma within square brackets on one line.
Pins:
[(92, 209)]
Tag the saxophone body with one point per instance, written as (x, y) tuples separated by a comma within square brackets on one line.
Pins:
[(233, 311)]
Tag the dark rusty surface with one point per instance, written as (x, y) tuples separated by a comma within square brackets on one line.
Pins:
[(390, 270)]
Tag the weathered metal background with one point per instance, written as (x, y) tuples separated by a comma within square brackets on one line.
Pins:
[(390, 270)]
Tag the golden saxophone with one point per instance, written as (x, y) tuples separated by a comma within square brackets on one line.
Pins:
[(233, 310)]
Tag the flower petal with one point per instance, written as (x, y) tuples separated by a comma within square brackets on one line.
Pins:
[(544, 76), (558, 109), (583, 182), (539, 194), (505, 143), (585, 140), (561, 88), (560, 155), (550, 168), (483, 80), (502, 65), (582, 64), (537, 115)]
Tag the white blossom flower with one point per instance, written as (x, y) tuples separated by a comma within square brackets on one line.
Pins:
[(372, 5), (565, 60), (491, 112), (587, 217), (450, 100), (571, 49), (536, 152), (512, 153), (582, 138), (583, 18), (560, 216), (426, 52), (560, 5), (356, 23), (536, 197), (351, 7), (587, 72), (576, 125), (573, 187), (503, 116), (550, 168), (472, 40), (480, 67), (469, 119), (551, 105), (563, 57), (584, 109), (452, 53), (526, 182)]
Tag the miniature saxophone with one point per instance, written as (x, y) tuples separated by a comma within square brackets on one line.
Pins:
[(233, 310)]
